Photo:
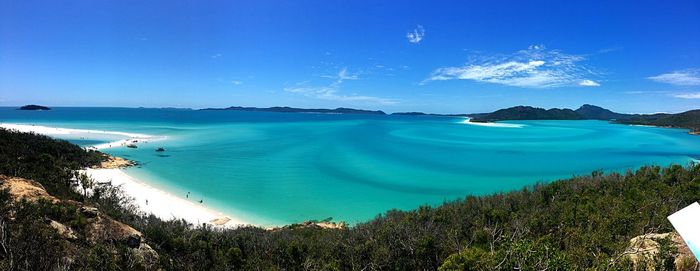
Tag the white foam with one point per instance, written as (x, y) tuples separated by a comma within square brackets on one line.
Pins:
[(493, 124)]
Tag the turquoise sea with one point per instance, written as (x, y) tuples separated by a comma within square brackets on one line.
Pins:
[(279, 168)]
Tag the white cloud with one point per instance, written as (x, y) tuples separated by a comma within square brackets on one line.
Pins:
[(531, 68), (635, 92), (416, 36), (588, 83), (689, 77), (331, 93), (695, 95), (536, 47), (343, 75), (236, 82), (217, 56)]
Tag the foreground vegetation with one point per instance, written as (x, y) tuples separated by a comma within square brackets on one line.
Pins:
[(581, 223)]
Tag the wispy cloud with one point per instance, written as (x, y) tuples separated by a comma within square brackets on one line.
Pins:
[(535, 67), (236, 82), (688, 77), (416, 36), (343, 75), (215, 56), (636, 92), (609, 50), (692, 95), (332, 91), (588, 83)]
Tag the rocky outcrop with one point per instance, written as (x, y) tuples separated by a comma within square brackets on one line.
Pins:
[(63, 231), (115, 162), (99, 228), (646, 248), (90, 212), (102, 228), (29, 190), (330, 225), (313, 224)]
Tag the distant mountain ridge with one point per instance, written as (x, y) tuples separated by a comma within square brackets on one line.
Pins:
[(584, 112), (689, 120), (286, 109), (527, 113)]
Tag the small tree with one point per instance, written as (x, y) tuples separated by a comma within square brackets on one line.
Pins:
[(85, 182)]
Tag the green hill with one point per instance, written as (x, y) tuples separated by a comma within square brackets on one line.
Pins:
[(527, 113), (688, 119), (588, 111)]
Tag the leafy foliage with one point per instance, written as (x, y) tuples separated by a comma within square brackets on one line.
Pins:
[(48, 161)]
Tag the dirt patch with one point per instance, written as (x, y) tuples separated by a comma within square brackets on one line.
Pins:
[(21, 188)]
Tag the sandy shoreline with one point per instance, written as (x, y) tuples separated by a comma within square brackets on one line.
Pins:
[(493, 124), (160, 203), (126, 138)]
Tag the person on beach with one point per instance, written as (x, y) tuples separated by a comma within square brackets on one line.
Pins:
[(201, 201), (188, 195), (146, 201)]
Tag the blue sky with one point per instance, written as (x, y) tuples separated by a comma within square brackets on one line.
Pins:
[(435, 56)]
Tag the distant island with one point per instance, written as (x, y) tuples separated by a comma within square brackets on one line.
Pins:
[(689, 120), (527, 113), (285, 109), (34, 107)]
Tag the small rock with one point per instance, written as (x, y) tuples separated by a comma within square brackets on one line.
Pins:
[(145, 257), (62, 230), (90, 212), (133, 240)]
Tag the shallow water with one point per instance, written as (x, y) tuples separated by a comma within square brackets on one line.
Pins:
[(278, 168)]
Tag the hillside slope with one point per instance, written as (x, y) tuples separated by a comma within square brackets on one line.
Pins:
[(688, 119)]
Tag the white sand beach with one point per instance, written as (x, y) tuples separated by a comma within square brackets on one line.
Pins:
[(160, 203), (126, 138), (163, 204), (493, 124)]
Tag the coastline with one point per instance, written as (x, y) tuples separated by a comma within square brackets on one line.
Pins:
[(83, 134), (160, 203), (492, 124)]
